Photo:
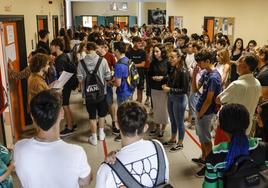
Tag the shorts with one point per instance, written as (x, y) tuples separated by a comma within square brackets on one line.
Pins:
[(66, 94), (203, 128), (100, 107), (141, 72), (109, 96)]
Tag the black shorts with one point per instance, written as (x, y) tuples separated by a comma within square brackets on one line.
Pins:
[(66, 94), (100, 107), (141, 72)]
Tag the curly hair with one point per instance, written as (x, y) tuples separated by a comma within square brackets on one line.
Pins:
[(38, 61)]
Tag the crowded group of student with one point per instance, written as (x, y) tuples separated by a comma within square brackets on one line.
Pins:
[(223, 85)]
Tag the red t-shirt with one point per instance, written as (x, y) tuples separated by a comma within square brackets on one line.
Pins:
[(110, 59)]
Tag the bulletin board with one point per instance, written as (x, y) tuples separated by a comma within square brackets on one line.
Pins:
[(225, 25)]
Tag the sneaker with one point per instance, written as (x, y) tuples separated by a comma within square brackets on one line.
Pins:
[(74, 127), (66, 132), (118, 138), (92, 140), (201, 173), (169, 143), (198, 161), (101, 135), (176, 148), (153, 132), (84, 101), (116, 131)]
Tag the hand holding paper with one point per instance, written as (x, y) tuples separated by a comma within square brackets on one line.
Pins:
[(63, 79)]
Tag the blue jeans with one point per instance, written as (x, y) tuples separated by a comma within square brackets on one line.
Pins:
[(176, 109)]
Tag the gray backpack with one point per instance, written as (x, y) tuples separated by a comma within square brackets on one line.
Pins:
[(129, 181)]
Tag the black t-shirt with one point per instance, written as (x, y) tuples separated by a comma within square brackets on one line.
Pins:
[(263, 75), (43, 45), (62, 63), (137, 56)]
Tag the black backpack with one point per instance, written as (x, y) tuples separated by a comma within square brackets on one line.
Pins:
[(93, 86), (129, 181), (247, 172), (133, 75)]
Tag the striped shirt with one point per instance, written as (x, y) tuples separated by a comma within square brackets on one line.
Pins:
[(215, 162)]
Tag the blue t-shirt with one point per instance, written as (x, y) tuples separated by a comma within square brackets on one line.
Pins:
[(211, 81), (121, 71)]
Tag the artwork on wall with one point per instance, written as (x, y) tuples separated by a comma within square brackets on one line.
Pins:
[(157, 17), (178, 22), (118, 6)]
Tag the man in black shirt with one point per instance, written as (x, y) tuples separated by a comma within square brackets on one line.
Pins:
[(62, 63), (138, 56), (43, 42)]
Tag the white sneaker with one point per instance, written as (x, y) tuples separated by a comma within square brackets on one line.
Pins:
[(84, 101), (101, 135), (92, 140)]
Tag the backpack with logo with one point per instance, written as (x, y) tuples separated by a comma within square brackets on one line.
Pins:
[(247, 172), (94, 88), (129, 181), (133, 75)]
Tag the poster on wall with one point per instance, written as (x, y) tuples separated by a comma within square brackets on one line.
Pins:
[(87, 21), (178, 22), (156, 17), (118, 6)]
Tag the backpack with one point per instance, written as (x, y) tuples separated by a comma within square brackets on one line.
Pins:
[(94, 88), (133, 75), (247, 172), (72, 68), (129, 181)]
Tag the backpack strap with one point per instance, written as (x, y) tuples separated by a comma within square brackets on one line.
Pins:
[(98, 65), (124, 175), (84, 66), (160, 179)]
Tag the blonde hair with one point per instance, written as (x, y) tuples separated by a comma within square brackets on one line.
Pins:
[(224, 55)]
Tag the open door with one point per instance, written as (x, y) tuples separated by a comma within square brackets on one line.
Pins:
[(55, 25), (42, 23), (171, 23), (122, 21), (209, 25), (13, 47)]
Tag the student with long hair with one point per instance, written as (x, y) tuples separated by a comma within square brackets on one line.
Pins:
[(223, 65), (235, 54), (157, 75), (177, 87)]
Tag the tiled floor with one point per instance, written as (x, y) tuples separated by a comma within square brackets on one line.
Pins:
[(181, 168)]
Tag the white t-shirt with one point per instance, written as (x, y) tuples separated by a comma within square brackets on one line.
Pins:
[(246, 91), (190, 62), (50, 164), (140, 159)]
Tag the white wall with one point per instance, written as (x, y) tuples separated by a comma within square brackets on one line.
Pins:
[(31, 8), (101, 9), (250, 16)]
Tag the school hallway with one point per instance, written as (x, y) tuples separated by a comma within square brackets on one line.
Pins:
[(181, 169)]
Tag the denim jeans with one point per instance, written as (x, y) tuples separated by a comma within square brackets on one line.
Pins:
[(176, 109)]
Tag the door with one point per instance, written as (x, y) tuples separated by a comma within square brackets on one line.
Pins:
[(209, 25), (132, 21), (171, 23), (78, 22), (42, 23), (11, 45), (101, 20), (55, 25), (109, 19)]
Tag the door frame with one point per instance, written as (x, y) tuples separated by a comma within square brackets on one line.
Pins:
[(43, 17), (57, 31), (19, 19)]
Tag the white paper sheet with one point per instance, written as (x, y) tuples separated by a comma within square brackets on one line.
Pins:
[(10, 34), (64, 77), (11, 52)]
